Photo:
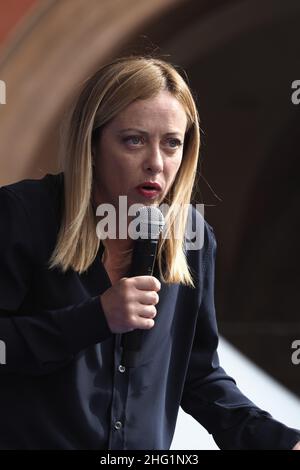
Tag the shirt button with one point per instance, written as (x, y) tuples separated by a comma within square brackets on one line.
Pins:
[(118, 425), (121, 368)]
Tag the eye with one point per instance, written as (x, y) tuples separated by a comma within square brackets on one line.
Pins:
[(174, 143), (133, 139)]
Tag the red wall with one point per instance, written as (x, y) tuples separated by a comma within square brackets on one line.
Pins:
[(11, 13)]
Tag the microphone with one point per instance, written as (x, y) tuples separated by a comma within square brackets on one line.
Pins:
[(152, 223)]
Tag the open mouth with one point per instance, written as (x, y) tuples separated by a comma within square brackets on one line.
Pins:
[(148, 191)]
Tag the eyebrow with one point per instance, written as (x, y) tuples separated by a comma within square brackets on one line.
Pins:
[(135, 129)]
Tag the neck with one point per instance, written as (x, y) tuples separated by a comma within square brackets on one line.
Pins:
[(117, 248)]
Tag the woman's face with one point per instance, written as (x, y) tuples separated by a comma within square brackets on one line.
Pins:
[(143, 143)]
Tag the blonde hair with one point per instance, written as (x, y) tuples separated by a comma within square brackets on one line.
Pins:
[(113, 87)]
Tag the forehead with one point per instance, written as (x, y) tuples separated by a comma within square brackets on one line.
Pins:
[(163, 108)]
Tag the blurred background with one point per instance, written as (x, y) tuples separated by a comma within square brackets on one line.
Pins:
[(241, 58)]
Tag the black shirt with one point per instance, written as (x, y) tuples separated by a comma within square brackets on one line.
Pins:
[(62, 385)]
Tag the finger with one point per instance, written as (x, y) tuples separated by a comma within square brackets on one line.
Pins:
[(149, 311), (148, 297), (147, 283), (144, 324)]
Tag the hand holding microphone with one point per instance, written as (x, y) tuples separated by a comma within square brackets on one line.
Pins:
[(130, 303)]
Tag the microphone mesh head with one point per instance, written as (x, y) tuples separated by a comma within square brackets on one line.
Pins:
[(151, 222)]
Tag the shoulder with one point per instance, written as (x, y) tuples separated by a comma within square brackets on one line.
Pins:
[(37, 195), (28, 190), (200, 243), (36, 204), (200, 235)]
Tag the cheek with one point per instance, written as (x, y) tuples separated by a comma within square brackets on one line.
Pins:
[(112, 165), (118, 173), (173, 168)]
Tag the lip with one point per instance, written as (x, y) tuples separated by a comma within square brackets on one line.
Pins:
[(153, 184), (149, 193)]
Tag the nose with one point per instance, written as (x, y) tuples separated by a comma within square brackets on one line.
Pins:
[(154, 162)]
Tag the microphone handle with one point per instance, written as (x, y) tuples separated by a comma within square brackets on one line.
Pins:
[(142, 264)]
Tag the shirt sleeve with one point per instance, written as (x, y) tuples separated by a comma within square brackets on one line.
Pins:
[(211, 396), (49, 339)]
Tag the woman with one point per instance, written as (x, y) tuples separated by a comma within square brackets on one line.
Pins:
[(66, 299)]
